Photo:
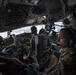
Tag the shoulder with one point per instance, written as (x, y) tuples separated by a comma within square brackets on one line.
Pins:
[(69, 56)]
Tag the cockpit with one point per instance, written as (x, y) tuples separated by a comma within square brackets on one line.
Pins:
[(23, 52)]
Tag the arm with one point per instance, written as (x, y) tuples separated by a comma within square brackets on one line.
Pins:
[(11, 64)]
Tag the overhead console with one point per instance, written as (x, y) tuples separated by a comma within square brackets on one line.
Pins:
[(19, 13), (15, 14)]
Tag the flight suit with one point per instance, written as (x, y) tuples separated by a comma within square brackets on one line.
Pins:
[(66, 64)]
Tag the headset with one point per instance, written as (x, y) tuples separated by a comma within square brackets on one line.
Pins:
[(73, 36), (1, 41)]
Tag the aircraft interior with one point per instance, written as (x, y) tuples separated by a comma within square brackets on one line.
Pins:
[(16, 14)]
